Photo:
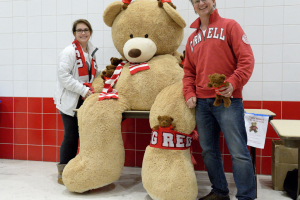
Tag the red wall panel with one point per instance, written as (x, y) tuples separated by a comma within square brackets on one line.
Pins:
[(32, 129)]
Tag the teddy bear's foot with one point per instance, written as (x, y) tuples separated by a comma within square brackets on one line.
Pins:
[(227, 102), (84, 173), (169, 174), (101, 157), (217, 103)]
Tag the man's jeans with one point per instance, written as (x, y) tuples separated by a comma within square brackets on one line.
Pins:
[(210, 121)]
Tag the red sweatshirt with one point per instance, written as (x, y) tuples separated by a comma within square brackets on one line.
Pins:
[(224, 49)]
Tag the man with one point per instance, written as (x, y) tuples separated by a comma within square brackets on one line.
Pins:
[(219, 45)]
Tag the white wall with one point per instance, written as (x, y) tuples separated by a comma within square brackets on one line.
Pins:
[(33, 32)]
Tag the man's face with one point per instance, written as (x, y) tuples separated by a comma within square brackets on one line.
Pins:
[(203, 7)]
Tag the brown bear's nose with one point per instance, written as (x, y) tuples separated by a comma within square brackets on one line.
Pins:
[(134, 53)]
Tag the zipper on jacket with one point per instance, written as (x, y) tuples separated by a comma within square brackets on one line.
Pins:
[(62, 95)]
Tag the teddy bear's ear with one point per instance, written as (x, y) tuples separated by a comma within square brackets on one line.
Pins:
[(174, 15), (171, 118), (159, 118), (111, 12), (223, 76)]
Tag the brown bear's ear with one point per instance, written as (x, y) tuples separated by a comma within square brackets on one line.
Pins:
[(111, 12), (174, 15)]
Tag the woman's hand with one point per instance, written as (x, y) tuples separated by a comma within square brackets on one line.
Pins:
[(191, 102), (88, 94), (227, 91)]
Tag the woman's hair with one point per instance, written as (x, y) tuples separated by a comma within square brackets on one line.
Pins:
[(81, 21), (214, 5)]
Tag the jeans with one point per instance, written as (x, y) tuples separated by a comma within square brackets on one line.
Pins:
[(210, 121)]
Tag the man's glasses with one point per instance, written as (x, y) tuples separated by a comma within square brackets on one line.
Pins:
[(198, 1), (82, 31)]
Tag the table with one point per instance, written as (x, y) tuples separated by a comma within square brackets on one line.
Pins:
[(289, 133)]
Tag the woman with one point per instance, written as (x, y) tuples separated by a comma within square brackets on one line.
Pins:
[(77, 69)]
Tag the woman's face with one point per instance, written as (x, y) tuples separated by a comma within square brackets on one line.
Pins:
[(82, 33)]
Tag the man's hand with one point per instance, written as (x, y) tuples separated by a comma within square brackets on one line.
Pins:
[(227, 91), (191, 102)]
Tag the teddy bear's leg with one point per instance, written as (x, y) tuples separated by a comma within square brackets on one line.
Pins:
[(169, 174), (227, 102), (101, 157), (218, 100)]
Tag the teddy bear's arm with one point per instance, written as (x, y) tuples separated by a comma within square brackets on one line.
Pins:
[(155, 127), (226, 84), (209, 85)]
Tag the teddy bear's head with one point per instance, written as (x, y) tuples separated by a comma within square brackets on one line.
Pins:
[(144, 29), (253, 123), (165, 121), (115, 61), (216, 80)]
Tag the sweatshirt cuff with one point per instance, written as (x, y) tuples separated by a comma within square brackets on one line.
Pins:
[(85, 91), (189, 95), (234, 85)]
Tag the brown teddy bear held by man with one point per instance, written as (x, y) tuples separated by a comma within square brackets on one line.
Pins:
[(217, 81)]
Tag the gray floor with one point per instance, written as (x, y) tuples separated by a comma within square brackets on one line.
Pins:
[(29, 180)]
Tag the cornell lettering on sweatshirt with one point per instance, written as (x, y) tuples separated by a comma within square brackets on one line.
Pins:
[(213, 33)]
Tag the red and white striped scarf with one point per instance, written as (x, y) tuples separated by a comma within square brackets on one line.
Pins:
[(108, 92), (83, 71)]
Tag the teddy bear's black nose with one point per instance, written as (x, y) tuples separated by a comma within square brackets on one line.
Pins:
[(134, 53)]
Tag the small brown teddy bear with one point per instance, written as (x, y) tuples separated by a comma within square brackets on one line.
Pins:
[(164, 122), (115, 61), (253, 127), (109, 71), (182, 59), (126, 3), (217, 81), (160, 3)]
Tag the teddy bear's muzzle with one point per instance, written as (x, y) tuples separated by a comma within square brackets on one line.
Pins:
[(138, 49)]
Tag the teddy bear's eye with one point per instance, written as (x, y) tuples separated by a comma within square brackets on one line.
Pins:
[(131, 35), (146, 36)]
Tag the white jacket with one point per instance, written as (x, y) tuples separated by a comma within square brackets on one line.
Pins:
[(69, 88)]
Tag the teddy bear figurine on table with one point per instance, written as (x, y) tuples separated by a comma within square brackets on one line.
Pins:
[(217, 81), (149, 78)]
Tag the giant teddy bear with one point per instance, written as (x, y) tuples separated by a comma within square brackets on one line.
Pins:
[(146, 33)]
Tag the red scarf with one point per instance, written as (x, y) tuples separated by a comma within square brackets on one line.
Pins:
[(83, 71), (217, 89), (167, 138), (108, 92)]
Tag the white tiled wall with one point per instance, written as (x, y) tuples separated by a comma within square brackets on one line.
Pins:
[(33, 32)]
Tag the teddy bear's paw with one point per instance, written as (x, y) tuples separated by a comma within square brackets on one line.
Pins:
[(169, 174)]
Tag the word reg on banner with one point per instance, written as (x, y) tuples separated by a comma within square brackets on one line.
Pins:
[(256, 127)]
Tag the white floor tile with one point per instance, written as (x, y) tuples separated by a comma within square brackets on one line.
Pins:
[(32, 180)]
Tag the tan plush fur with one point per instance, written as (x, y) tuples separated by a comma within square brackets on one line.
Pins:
[(101, 158)]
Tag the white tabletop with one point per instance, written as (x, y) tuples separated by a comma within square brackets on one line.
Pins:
[(261, 111), (287, 128)]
